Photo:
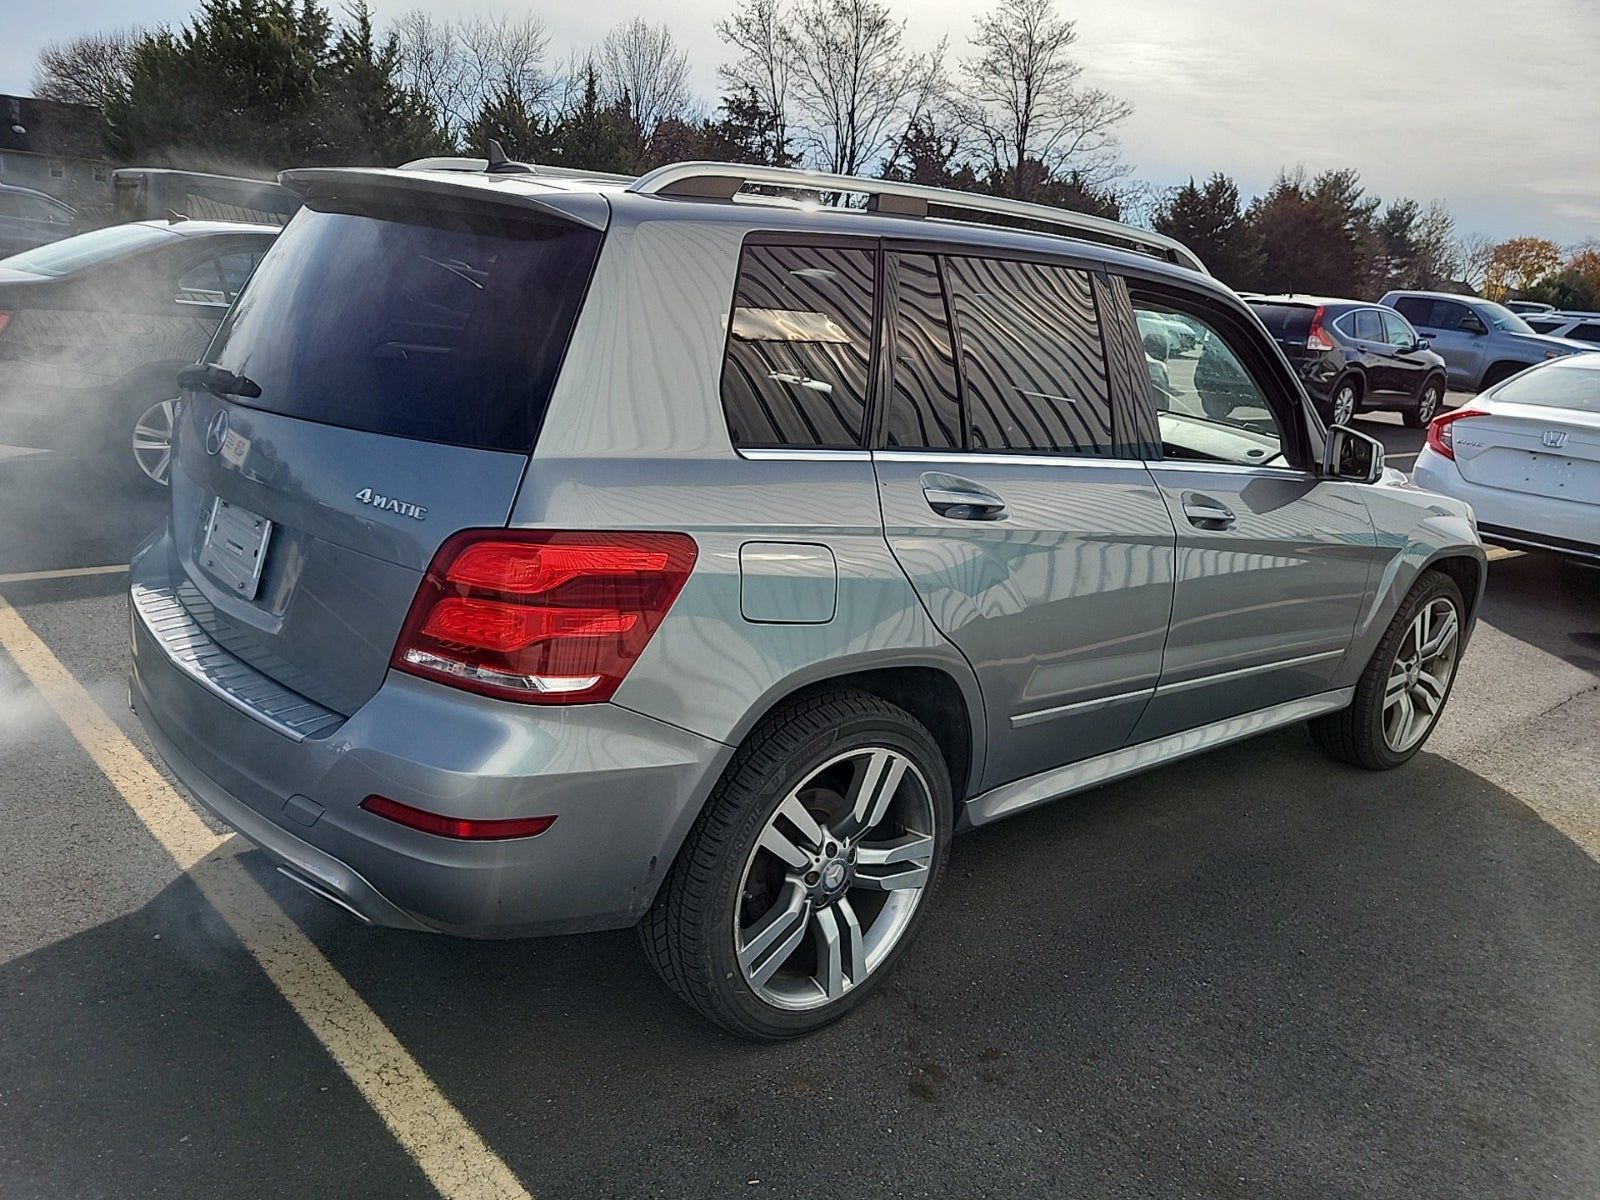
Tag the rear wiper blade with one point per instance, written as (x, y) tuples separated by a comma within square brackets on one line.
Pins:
[(219, 381)]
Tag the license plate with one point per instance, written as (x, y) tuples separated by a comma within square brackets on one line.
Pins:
[(235, 547)]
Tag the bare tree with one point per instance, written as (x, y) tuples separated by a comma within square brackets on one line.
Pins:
[(642, 64), (1026, 102), (1471, 255), (458, 66), (855, 81), (763, 67), (85, 70)]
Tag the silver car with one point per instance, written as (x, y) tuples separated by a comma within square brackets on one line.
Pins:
[(554, 553)]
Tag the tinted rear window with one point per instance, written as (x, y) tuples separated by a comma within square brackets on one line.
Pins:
[(1285, 320), (441, 324)]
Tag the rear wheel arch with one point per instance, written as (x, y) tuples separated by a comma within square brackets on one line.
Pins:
[(1499, 371)]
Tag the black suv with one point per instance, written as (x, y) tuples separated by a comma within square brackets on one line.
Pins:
[(1352, 355)]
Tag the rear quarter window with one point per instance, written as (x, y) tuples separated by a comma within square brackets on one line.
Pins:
[(446, 324)]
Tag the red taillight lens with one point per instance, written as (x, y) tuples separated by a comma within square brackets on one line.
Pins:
[(544, 618), (1440, 437), (467, 829), (1317, 338)]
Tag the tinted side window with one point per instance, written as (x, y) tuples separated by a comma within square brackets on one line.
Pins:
[(925, 401), (1368, 326), (1447, 314), (1545, 326), (1031, 357), (800, 346), (1589, 331), (1415, 309)]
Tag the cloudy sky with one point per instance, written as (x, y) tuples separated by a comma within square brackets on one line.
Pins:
[(1489, 105)]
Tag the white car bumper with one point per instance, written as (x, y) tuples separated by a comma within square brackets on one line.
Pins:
[(1514, 518)]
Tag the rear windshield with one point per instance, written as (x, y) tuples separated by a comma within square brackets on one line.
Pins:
[(446, 325), (1562, 384), (1285, 320), (87, 249)]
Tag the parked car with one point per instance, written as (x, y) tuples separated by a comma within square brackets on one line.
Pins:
[(1574, 326), (93, 331), (1480, 341), (1526, 455), (548, 554), (29, 218), (1351, 356), (1525, 307)]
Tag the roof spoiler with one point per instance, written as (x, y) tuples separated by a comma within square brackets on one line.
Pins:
[(584, 208)]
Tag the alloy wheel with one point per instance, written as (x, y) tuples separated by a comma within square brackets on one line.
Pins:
[(1344, 405), (834, 879), (152, 440), (1419, 678), (1429, 404)]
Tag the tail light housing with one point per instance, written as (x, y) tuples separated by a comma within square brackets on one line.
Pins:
[(1441, 439), (1317, 338), (541, 617)]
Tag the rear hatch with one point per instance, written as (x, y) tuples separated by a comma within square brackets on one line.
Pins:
[(404, 337), (1540, 435), (1289, 325)]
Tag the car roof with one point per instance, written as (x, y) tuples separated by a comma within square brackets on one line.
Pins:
[(1298, 298), (1457, 296), (188, 228), (585, 196), (23, 191)]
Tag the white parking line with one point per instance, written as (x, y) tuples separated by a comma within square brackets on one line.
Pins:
[(447, 1149), (67, 573)]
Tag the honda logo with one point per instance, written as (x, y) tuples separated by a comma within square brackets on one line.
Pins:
[(1555, 438)]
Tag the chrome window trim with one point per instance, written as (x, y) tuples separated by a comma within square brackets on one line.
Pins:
[(1230, 468), (1304, 660), (983, 458), (809, 454), (1049, 785)]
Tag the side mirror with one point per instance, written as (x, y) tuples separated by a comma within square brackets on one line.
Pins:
[(1350, 455), (1473, 326), (1423, 343)]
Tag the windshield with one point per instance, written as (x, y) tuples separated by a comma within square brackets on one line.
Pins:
[(1564, 383), (1502, 317), (86, 250), (441, 324)]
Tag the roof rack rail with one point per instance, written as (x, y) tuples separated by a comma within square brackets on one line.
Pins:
[(722, 181)]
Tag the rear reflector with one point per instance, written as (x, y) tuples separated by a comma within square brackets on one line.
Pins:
[(538, 616), (456, 827), (1441, 439)]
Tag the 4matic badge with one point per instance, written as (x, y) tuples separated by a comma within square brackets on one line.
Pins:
[(417, 512)]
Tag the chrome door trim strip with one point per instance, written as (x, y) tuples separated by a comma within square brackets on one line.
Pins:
[(1230, 468), (1304, 660), (1022, 794), (956, 457), (779, 454), (1081, 706)]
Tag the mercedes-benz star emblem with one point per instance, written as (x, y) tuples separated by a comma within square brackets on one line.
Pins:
[(217, 432)]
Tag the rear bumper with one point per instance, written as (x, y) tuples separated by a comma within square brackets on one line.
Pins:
[(624, 789), (1511, 517)]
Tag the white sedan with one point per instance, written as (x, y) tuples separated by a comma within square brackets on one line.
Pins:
[(1526, 455)]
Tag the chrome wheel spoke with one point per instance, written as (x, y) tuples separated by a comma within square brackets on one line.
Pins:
[(1442, 636), (152, 440), (891, 866), (1419, 678), (874, 786), (1430, 690), (773, 939), (841, 950), (796, 854)]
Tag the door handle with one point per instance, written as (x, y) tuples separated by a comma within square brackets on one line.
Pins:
[(1205, 513), (961, 499)]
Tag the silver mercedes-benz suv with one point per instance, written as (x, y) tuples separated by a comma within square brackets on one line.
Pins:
[(552, 552)]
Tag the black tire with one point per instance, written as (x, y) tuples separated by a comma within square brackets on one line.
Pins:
[(1356, 734), (1499, 373), (1429, 398), (688, 934)]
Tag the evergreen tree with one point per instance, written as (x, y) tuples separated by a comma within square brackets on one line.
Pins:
[(369, 118), (599, 136), (1210, 220)]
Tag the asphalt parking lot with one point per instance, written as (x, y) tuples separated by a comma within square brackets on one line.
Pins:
[(1256, 973)]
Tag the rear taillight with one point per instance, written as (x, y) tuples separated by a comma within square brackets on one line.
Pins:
[(1441, 439), (541, 617), (1317, 338)]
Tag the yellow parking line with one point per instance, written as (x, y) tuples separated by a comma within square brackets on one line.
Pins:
[(1492, 553), (69, 573), (452, 1155)]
